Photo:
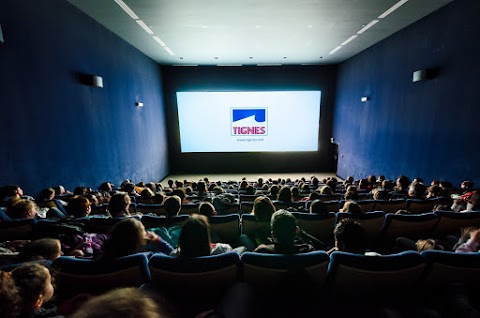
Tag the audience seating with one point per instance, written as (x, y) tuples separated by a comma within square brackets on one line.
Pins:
[(101, 225), (75, 276), (159, 221), (361, 275), (157, 209), (226, 228), (246, 207), (421, 206), (451, 223), (250, 226), (366, 205), (271, 271), (372, 222), (414, 227), (390, 206), (189, 208), (320, 226), (17, 230)]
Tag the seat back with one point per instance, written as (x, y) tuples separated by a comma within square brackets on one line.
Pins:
[(367, 205), (390, 206), (157, 221), (246, 207), (320, 226), (190, 278), (145, 208), (446, 268), (75, 276), (332, 206), (374, 275), (273, 271), (452, 222), (101, 225), (226, 228), (421, 206), (189, 208), (412, 226), (250, 225), (17, 230), (372, 222)]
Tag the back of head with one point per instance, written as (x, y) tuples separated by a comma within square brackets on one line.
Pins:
[(352, 207), (126, 238), (78, 206), (325, 190), (80, 190), (119, 303), (284, 227), (22, 209), (284, 195), (207, 209), (429, 244), (417, 190), (41, 249), (172, 205), (9, 296), (318, 207), (119, 204), (350, 236), (380, 194), (147, 193), (263, 209), (31, 281), (194, 240), (46, 194)]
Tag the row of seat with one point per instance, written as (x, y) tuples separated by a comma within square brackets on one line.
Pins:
[(341, 272), (228, 228)]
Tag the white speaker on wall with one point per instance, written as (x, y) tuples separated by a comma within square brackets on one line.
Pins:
[(97, 81), (420, 75), (1, 35)]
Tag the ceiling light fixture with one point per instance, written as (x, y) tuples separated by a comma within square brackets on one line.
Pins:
[(127, 9), (269, 64), (393, 8), (349, 40), (144, 26), (336, 49), (169, 51), (159, 41), (368, 26)]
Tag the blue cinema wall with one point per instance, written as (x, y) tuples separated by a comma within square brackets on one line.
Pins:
[(57, 130), (426, 129)]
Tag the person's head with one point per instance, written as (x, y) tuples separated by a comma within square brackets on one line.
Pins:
[(318, 207), (80, 191), (263, 209), (404, 212), (429, 244), (371, 179), (332, 184), (243, 184), (147, 193), (350, 195), (284, 227), (201, 187), (284, 195), (122, 302), (106, 186), (473, 202), (467, 185), (119, 204), (59, 189), (129, 187), (434, 192), (314, 195), (35, 286), (295, 192), (363, 184), (325, 190), (352, 207), (79, 206), (274, 190), (416, 190), (380, 194), (172, 205), (13, 190), (42, 249), (350, 237), (22, 209), (388, 184), (314, 181), (46, 194), (9, 296), (194, 239), (127, 237), (380, 178), (217, 190), (207, 209), (402, 183)]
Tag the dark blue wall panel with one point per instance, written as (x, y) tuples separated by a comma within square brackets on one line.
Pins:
[(252, 78), (424, 129), (54, 128)]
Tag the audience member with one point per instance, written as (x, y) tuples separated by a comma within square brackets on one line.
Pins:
[(119, 205), (172, 205), (350, 237), (79, 207), (352, 207), (318, 207), (9, 296), (207, 209), (42, 249)]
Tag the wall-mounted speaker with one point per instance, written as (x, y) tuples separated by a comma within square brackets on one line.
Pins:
[(1, 35), (97, 81), (420, 75)]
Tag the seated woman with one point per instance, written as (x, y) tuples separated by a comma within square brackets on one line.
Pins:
[(263, 210), (129, 237), (46, 199), (119, 205), (194, 240), (22, 209), (42, 249)]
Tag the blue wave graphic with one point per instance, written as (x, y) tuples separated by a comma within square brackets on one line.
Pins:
[(239, 114)]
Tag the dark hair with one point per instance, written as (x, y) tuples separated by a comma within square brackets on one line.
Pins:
[(126, 238), (173, 205), (119, 203), (352, 207), (206, 208), (77, 206), (283, 226), (318, 207), (41, 249), (263, 209), (194, 239), (285, 195), (9, 296), (350, 236), (31, 280)]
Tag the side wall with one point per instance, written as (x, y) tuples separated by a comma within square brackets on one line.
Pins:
[(56, 129), (425, 129), (251, 78)]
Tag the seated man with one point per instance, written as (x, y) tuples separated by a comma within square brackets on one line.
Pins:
[(173, 205), (350, 237), (284, 231)]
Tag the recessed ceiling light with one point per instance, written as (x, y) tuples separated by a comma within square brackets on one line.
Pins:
[(368, 26), (258, 26), (144, 26), (204, 26), (393, 8), (349, 39), (336, 49), (159, 41), (127, 9), (169, 51), (310, 26)]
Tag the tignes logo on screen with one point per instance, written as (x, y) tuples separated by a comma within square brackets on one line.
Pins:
[(249, 121)]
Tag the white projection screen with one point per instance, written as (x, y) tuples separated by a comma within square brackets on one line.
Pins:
[(262, 121)]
